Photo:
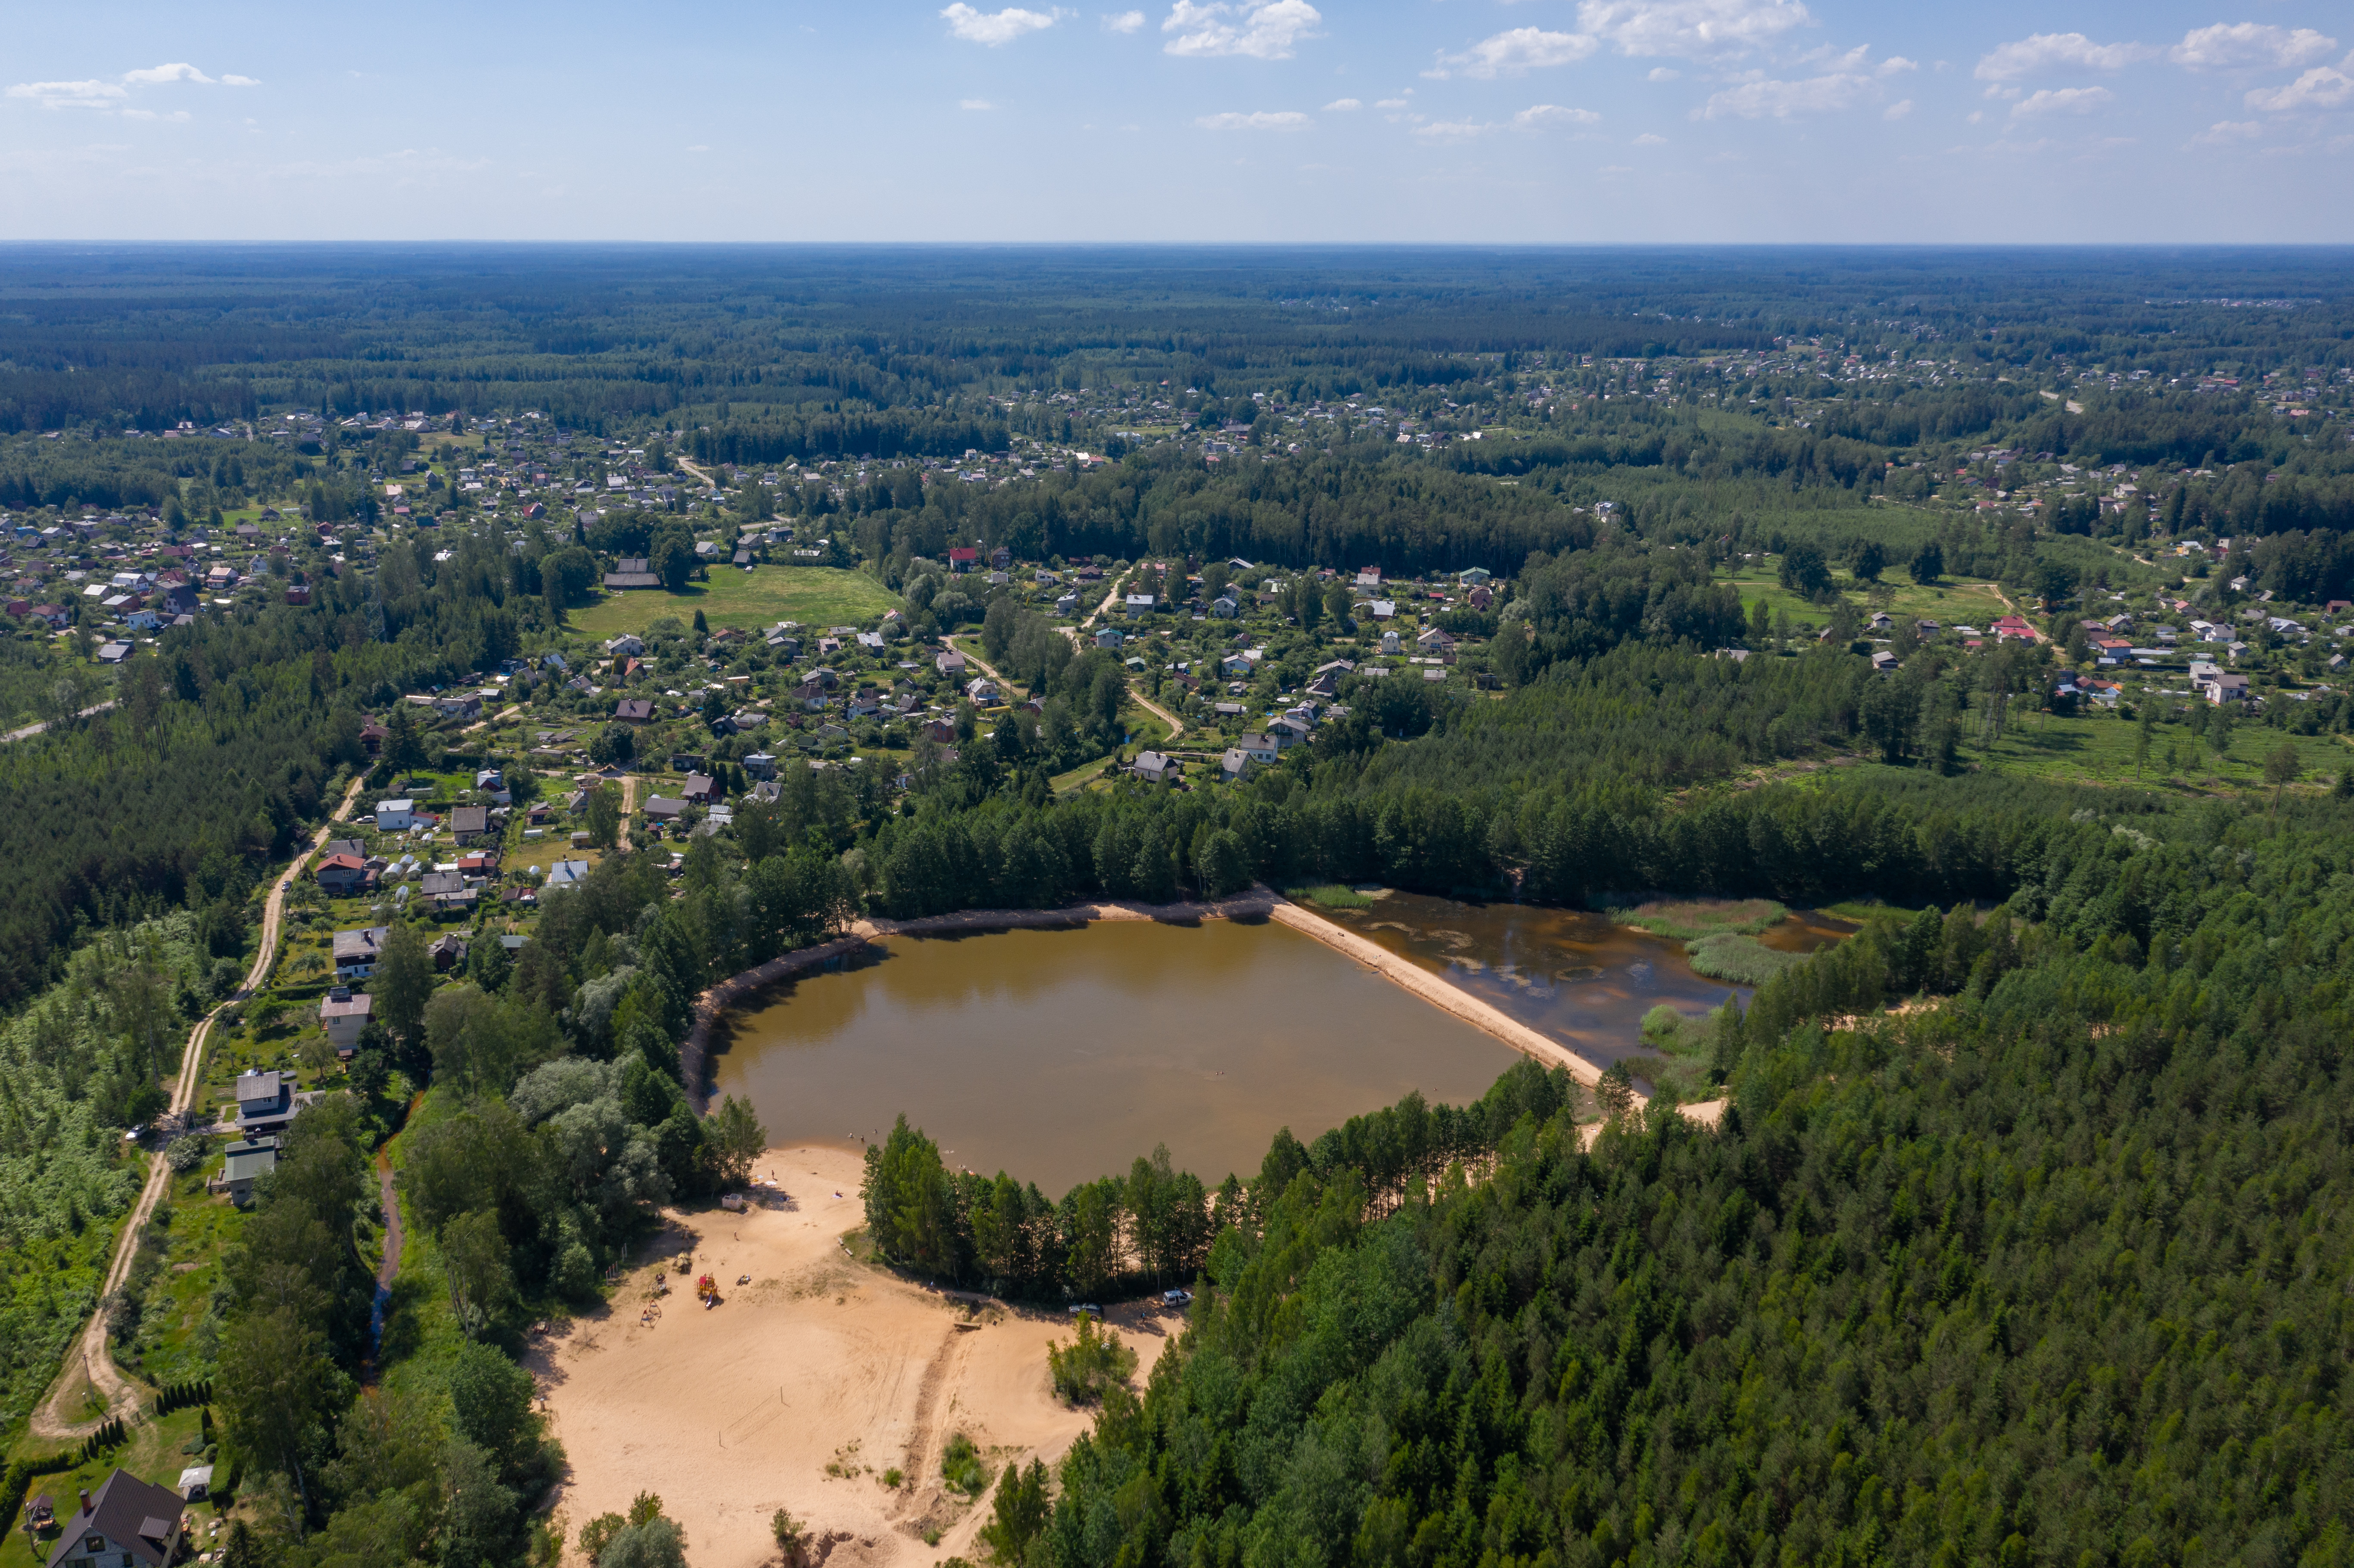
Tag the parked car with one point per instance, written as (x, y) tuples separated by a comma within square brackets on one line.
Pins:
[(1176, 1299)]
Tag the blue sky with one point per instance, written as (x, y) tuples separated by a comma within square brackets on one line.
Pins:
[(1409, 121)]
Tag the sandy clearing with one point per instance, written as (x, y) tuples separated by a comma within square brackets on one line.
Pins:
[(733, 1411)]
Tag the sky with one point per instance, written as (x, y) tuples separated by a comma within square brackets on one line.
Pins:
[(1423, 121)]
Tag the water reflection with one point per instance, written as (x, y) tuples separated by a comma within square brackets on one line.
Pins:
[(1565, 972)]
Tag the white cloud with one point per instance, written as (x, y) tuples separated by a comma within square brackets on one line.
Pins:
[(995, 28), (2323, 87), (1898, 110), (2051, 51), (1539, 116), (1262, 29), (1123, 22), (1405, 102), (1787, 100), (2229, 44), (1515, 52), (976, 103), (1341, 105), (155, 76), (2226, 131), (1690, 28), (1452, 131), (151, 114), (108, 96), (1277, 120), (1895, 64), (1664, 73), (699, 147), (2061, 100), (70, 94), (1651, 139)]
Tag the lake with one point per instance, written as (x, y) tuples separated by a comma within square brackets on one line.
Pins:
[(1563, 972), (1060, 1055)]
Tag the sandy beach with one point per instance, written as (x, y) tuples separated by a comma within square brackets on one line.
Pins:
[(732, 1412)]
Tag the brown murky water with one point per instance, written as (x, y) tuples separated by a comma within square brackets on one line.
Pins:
[(1565, 972), (1059, 1056)]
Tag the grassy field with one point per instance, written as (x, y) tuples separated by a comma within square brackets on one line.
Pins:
[(2100, 751), (814, 596), (1948, 603)]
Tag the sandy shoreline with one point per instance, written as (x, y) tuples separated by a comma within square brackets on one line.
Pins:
[(733, 1411), (1259, 903)]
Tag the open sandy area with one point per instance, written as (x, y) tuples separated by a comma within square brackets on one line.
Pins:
[(733, 1411)]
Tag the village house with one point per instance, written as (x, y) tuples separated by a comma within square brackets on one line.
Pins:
[(395, 816), (470, 822), (342, 875), (1154, 767), (245, 1162), (356, 951), (634, 710), (344, 1013), (125, 1524), (266, 1101)]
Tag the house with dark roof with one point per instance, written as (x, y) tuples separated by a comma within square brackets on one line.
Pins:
[(634, 710), (631, 572), (245, 1162), (126, 1523), (266, 1101), (470, 822), (356, 952)]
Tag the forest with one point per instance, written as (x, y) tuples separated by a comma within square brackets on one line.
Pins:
[(2020, 1237)]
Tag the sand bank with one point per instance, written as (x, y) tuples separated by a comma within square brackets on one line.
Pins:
[(733, 1411)]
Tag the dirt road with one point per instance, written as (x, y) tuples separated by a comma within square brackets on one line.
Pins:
[(1176, 725), (2033, 631), (983, 665), (31, 730), (91, 1352)]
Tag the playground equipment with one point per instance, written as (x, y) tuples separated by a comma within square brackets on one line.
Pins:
[(706, 1290)]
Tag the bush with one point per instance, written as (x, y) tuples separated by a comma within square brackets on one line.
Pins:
[(185, 1153), (1092, 1362), (962, 1467)]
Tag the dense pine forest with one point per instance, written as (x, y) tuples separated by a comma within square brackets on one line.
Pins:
[(2019, 1236)]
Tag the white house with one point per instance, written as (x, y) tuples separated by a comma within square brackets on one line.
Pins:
[(395, 816)]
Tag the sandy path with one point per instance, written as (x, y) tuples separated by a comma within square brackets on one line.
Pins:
[(122, 1398), (1432, 989), (733, 1411), (1176, 725)]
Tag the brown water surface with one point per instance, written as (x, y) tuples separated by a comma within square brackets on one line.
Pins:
[(1563, 972), (1059, 1056)]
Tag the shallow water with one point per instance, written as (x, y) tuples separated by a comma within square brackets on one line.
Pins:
[(1563, 972), (1059, 1056)]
